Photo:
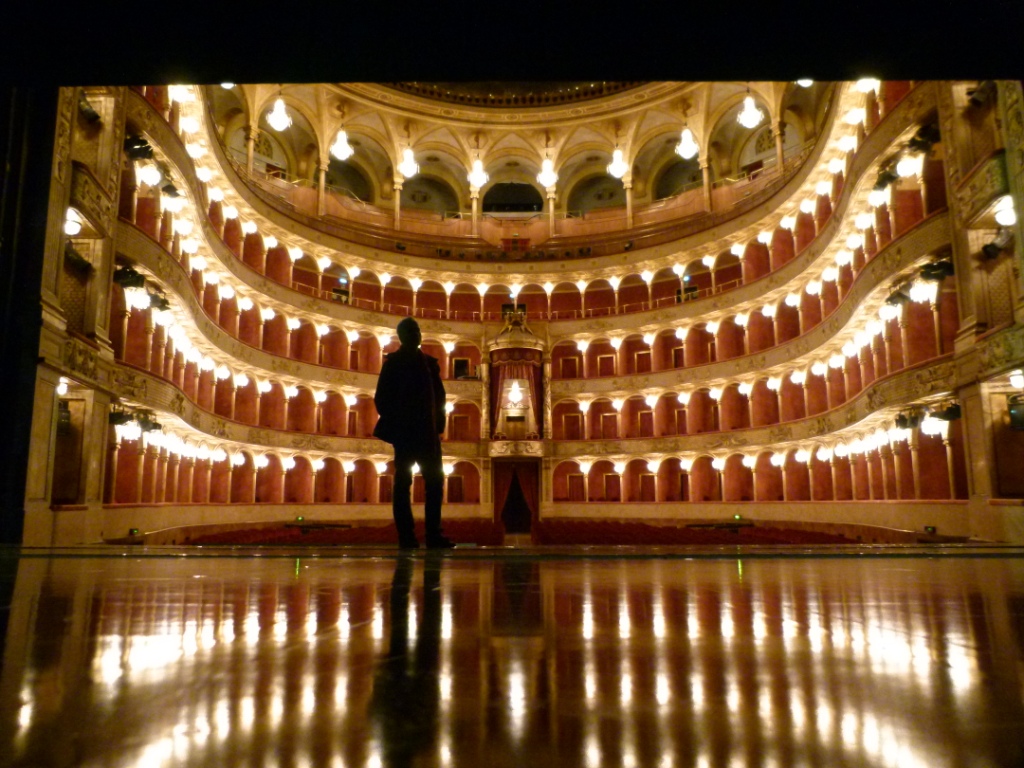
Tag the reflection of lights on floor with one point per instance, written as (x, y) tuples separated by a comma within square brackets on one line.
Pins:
[(222, 718), (308, 698), (692, 625), (727, 626), (446, 620), (344, 627), (516, 694), (341, 692), (662, 692), (247, 712), (25, 715), (378, 623), (588, 620), (732, 699)]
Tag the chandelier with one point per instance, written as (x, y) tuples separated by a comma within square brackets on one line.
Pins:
[(750, 116), (547, 176), (408, 167), (687, 147), (477, 176), (618, 167), (278, 117), (341, 149)]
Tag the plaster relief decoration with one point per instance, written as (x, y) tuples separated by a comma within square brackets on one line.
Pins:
[(534, 448), (130, 385), (982, 187), (62, 143), (79, 359), (89, 197), (1002, 350)]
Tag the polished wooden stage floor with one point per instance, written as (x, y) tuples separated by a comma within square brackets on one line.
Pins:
[(910, 657)]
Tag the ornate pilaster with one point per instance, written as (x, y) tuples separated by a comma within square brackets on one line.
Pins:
[(1011, 113)]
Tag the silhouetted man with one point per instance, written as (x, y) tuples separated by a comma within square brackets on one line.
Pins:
[(410, 401)]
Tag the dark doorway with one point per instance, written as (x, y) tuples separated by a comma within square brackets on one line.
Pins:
[(516, 512), (516, 494)]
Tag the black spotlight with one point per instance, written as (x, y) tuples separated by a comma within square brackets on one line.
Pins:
[(937, 270), (628, 246), (170, 190), (158, 302), (999, 244), (399, 246), (127, 277), (137, 148), (983, 95), (85, 109), (925, 138), (950, 413), (897, 297), (118, 417), (885, 178)]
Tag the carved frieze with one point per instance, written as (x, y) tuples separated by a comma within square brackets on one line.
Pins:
[(140, 114), (88, 196), (62, 140), (1000, 351), (129, 384), (117, 127), (510, 448), (80, 359), (985, 183)]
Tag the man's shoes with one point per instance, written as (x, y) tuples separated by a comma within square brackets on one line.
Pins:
[(439, 542), (408, 542)]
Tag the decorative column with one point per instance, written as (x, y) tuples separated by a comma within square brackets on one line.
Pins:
[(474, 202), (113, 449), (585, 410), (779, 131), (551, 210), (914, 461), (904, 339), (485, 401), (949, 463), (885, 471), (207, 470), (140, 468), (321, 190), (186, 468), (627, 185), (548, 418), (398, 202), (250, 146), (705, 172), (171, 483), (160, 486), (897, 461), (150, 328)]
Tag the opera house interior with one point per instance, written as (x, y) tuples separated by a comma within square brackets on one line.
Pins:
[(682, 327), (658, 302)]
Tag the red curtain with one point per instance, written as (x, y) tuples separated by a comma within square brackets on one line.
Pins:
[(518, 369), (504, 471), (528, 472), (528, 481)]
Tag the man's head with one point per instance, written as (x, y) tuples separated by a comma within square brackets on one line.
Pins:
[(409, 333)]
